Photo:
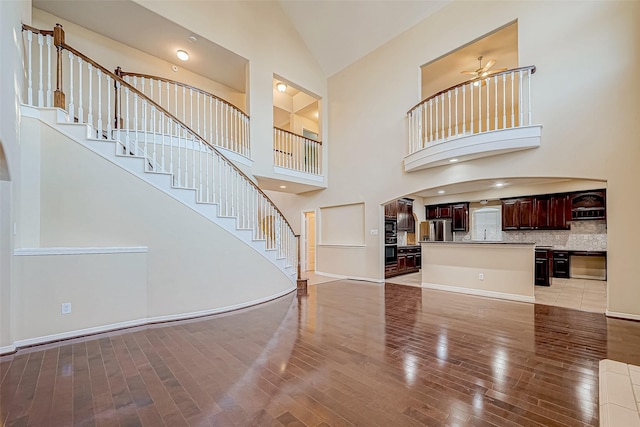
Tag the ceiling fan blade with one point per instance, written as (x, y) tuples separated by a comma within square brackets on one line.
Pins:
[(473, 73), (489, 64)]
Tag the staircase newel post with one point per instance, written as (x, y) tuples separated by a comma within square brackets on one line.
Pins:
[(58, 40), (301, 283)]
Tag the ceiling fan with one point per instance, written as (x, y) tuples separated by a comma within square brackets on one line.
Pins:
[(483, 72)]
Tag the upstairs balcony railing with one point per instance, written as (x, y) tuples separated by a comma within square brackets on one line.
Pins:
[(218, 121), (59, 76), (501, 101), (296, 152)]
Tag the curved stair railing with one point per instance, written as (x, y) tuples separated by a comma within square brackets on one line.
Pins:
[(220, 123), (115, 110), (500, 101)]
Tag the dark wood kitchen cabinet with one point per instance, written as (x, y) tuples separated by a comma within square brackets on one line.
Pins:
[(542, 272), (460, 216), (510, 214), (409, 261), (406, 221), (526, 213), (391, 210), (541, 212), (438, 211), (559, 212)]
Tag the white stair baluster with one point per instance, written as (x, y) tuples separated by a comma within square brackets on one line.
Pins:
[(30, 67), (80, 110), (71, 105), (126, 122), (90, 114), (99, 82), (49, 84), (211, 121), (110, 118), (136, 128), (41, 71), (198, 112)]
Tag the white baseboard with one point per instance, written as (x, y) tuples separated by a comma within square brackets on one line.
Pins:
[(340, 276), (138, 322), (626, 316), (479, 292), (7, 350)]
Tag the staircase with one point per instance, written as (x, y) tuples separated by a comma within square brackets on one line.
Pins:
[(101, 111)]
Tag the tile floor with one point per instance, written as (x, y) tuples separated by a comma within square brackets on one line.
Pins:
[(619, 390), (579, 294)]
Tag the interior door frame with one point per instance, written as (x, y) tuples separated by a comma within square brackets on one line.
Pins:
[(303, 240)]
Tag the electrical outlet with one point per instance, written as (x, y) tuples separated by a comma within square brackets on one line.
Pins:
[(65, 308), (481, 276), (373, 231)]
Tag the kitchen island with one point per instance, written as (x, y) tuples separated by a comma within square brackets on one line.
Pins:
[(492, 269)]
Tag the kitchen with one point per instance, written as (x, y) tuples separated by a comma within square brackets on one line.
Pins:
[(563, 239)]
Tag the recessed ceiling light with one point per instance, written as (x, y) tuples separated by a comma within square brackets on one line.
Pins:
[(283, 186), (193, 38), (182, 55), (440, 191), (281, 87), (453, 160), (499, 184)]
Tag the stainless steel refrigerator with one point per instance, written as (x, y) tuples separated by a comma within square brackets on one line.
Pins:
[(440, 230)]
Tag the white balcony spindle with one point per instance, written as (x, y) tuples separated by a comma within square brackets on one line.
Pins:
[(520, 109), (487, 129), (436, 102), (442, 128), (464, 109), (513, 101), (126, 122), (449, 114), (495, 114), (504, 101), (109, 111), (471, 104), (456, 97), (530, 121)]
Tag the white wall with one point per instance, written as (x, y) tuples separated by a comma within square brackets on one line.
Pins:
[(588, 112)]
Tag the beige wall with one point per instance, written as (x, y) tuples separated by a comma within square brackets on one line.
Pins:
[(589, 120), (112, 54), (12, 14), (192, 265), (260, 32), (507, 269)]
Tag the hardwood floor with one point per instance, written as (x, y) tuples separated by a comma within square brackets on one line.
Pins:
[(347, 353)]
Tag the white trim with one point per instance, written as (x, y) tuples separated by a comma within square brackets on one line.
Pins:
[(621, 315), (340, 276), (479, 292), (339, 245), (7, 350), (80, 251), (296, 174), (474, 146), (143, 321)]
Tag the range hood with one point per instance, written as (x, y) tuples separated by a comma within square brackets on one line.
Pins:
[(589, 205)]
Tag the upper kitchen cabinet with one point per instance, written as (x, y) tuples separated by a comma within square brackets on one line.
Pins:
[(559, 212), (406, 221), (391, 210), (438, 211), (525, 213), (460, 217)]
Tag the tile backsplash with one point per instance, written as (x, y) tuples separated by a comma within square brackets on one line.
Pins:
[(583, 236)]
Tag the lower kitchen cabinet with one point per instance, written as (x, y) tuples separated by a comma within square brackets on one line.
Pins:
[(542, 267), (561, 264), (409, 261)]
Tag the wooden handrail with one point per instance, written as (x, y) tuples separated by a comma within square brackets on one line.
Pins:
[(119, 79), (298, 135), (37, 31), (528, 67), (175, 82)]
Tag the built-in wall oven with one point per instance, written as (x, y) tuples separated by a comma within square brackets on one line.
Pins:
[(390, 232), (390, 254)]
